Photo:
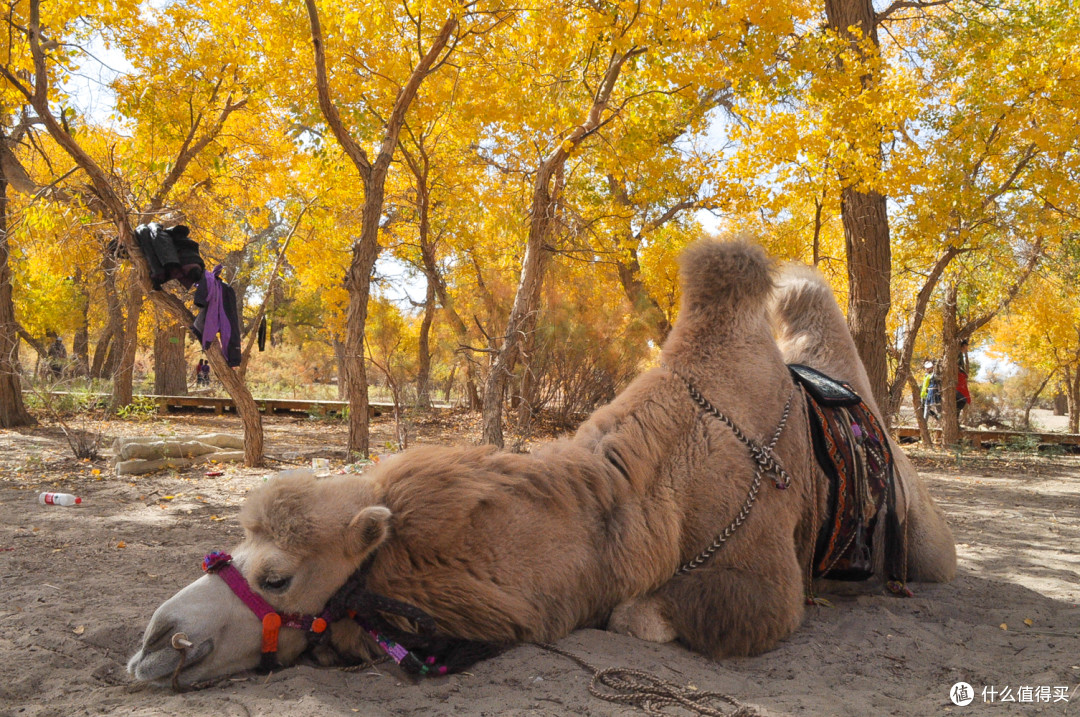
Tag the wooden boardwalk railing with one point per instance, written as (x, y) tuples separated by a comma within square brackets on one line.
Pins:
[(987, 439), (221, 404)]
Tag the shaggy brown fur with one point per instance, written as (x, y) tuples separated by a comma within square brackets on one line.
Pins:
[(506, 547), (503, 547)]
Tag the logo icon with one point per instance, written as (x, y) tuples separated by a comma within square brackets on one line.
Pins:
[(961, 694)]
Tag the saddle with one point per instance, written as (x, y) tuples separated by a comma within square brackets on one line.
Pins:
[(853, 450)]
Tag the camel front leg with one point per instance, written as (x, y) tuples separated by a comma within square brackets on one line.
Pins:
[(722, 610)]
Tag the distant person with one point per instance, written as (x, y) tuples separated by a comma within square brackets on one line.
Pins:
[(202, 373), (931, 391), (57, 356)]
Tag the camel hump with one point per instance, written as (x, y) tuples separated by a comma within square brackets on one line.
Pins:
[(804, 304), (724, 274)]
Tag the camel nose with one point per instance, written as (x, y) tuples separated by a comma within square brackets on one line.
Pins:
[(160, 638)]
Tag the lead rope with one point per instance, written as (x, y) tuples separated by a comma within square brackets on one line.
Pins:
[(763, 456), (652, 695)]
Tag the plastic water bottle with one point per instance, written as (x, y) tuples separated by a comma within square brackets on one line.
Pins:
[(64, 499)]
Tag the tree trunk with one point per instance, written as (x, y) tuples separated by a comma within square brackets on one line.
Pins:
[(522, 319), (246, 408), (110, 346), (641, 301), (80, 344), (546, 191), (12, 410), (869, 270), (527, 393), (113, 357), (911, 332), (358, 283), (170, 364), (1073, 386), (449, 385), (373, 177), (342, 381), (1070, 400), (472, 394), (523, 314), (123, 379), (420, 167), (644, 304), (461, 331), (110, 204), (1035, 397), (866, 224), (238, 391), (423, 373), (101, 350), (1061, 404), (950, 418)]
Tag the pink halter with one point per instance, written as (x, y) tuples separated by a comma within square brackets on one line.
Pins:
[(220, 563), (350, 600)]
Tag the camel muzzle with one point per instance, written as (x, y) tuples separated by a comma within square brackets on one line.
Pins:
[(220, 563), (161, 659)]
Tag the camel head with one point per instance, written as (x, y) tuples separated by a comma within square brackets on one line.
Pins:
[(303, 538)]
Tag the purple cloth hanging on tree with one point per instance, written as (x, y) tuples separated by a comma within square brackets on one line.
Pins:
[(217, 322), (218, 316)]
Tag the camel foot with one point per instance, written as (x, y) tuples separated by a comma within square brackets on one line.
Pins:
[(642, 618)]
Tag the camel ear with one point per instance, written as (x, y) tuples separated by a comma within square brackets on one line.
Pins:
[(367, 530)]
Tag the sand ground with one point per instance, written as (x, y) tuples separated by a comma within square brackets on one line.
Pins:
[(78, 586)]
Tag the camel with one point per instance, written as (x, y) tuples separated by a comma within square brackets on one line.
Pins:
[(495, 548)]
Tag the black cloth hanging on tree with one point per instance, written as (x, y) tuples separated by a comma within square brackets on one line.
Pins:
[(171, 254)]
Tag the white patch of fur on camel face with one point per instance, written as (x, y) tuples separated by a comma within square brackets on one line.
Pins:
[(585, 531)]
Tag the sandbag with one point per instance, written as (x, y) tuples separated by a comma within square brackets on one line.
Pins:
[(221, 440), (225, 456), (165, 449), (137, 467)]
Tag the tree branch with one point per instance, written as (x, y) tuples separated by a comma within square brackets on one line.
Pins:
[(898, 5), (969, 329), (25, 335), (189, 150), (408, 92), (330, 111), (903, 362), (254, 331), (1029, 153)]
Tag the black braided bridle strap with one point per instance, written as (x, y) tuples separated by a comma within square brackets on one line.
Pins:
[(763, 456), (423, 652)]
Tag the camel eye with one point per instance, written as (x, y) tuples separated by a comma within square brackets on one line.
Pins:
[(275, 584)]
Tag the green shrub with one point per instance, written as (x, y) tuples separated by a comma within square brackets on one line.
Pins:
[(141, 408)]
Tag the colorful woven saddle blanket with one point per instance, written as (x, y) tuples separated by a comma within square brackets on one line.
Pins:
[(852, 449)]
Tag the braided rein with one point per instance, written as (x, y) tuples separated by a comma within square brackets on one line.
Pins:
[(764, 458)]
